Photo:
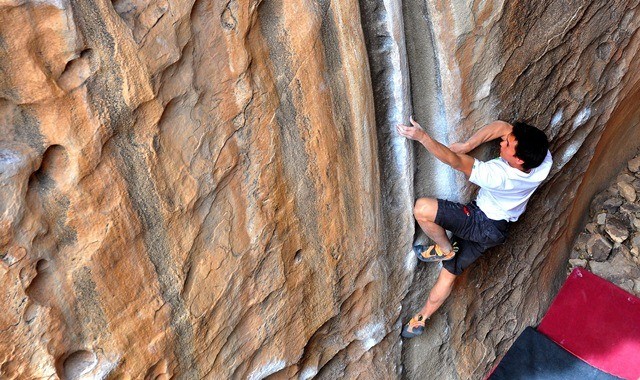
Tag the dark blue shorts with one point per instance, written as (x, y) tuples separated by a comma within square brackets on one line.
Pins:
[(472, 231)]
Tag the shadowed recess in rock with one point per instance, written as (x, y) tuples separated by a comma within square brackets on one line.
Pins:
[(146, 202)]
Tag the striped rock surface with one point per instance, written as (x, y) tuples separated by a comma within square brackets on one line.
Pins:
[(214, 189)]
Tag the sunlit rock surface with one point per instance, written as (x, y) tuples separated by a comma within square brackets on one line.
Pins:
[(191, 189), (214, 189), (568, 67)]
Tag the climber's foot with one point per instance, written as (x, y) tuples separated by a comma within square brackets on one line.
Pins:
[(414, 328), (433, 253)]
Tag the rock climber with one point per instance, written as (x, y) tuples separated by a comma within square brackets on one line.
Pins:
[(506, 184)]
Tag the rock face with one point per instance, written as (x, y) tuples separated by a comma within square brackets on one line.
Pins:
[(565, 66), (213, 189), (191, 190)]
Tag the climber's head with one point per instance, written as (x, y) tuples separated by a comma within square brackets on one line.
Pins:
[(525, 147)]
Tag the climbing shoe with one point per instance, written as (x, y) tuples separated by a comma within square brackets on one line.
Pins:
[(414, 328), (432, 253)]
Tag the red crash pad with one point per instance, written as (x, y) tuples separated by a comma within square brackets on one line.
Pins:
[(597, 322)]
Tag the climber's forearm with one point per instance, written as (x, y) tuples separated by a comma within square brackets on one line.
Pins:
[(458, 161), (489, 132)]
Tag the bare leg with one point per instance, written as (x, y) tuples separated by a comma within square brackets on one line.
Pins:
[(439, 293), (425, 212)]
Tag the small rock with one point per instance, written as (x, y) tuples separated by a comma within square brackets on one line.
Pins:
[(636, 223), (616, 270), (576, 253), (635, 241), (598, 247), (627, 284), (627, 191), (613, 190), (636, 185), (612, 204), (625, 177), (616, 229), (634, 165), (597, 204), (630, 209), (621, 250), (79, 363), (573, 263), (592, 228), (601, 218), (581, 241)]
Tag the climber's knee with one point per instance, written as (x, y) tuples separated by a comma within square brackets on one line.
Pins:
[(425, 209)]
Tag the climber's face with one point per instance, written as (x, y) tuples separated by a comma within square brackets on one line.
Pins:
[(508, 151)]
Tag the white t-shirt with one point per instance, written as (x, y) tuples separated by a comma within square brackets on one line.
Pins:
[(505, 191)]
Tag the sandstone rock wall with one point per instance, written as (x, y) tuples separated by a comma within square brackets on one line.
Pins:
[(569, 67), (214, 189), (191, 190)]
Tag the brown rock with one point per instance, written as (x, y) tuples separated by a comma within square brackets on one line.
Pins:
[(198, 183), (627, 191), (611, 205), (618, 270), (598, 247), (635, 241), (215, 189), (573, 263), (630, 210), (616, 229), (634, 165), (581, 241), (626, 178)]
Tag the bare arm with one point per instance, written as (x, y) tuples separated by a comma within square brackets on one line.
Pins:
[(489, 132), (458, 161)]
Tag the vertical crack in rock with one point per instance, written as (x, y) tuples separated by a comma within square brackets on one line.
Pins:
[(384, 33), (432, 178)]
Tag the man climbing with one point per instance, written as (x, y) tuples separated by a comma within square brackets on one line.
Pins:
[(506, 184)]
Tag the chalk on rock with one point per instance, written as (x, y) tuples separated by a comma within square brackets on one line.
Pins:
[(601, 218), (79, 363)]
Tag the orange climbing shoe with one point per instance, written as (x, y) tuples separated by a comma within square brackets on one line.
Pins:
[(414, 328), (432, 253)]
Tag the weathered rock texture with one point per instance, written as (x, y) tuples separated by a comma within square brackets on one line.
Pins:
[(603, 251), (213, 189), (569, 67), (190, 190)]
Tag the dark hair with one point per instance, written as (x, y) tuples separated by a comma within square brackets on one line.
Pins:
[(532, 145)]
